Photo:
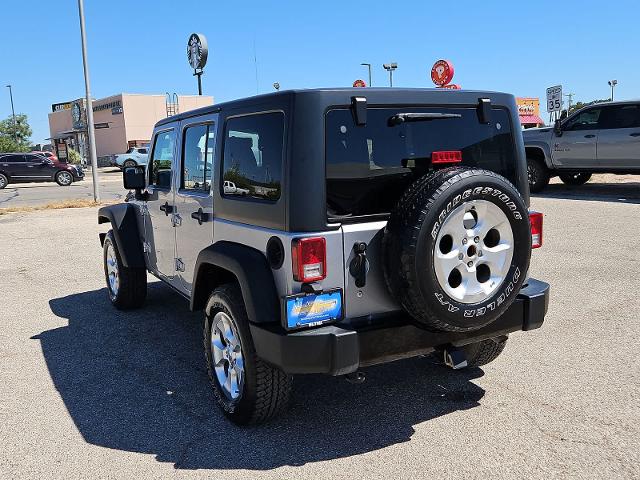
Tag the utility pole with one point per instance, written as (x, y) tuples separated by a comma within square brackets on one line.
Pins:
[(390, 67), (369, 66), (570, 95), (13, 113), (612, 84), (89, 107)]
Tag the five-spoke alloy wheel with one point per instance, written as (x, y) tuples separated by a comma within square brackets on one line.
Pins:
[(473, 251)]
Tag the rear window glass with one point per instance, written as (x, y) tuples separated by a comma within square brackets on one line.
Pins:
[(368, 167)]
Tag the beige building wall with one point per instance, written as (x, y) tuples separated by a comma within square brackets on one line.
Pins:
[(139, 114)]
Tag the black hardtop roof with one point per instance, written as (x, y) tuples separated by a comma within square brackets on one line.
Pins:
[(342, 96)]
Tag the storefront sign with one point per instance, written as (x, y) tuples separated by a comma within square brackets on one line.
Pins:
[(197, 51), (108, 105), (78, 114), (58, 107), (528, 106), (359, 83), (442, 72)]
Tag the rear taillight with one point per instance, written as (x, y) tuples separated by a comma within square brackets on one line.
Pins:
[(309, 259), (535, 219), (448, 156)]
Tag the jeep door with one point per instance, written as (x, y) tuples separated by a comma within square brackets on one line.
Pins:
[(576, 148), (619, 137), (194, 200), (159, 217)]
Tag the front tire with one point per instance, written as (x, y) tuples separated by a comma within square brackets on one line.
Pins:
[(126, 286), (538, 174), (129, 163), (575, 179), (64, 178), (248, 390), (4, 181)]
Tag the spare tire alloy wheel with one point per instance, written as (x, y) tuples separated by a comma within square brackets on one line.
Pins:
[(473, 251), (457, 248)]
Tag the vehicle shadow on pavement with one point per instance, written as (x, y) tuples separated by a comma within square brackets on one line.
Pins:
[(598, 192), (135, 381)]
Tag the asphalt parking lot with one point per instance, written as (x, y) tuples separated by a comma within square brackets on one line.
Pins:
[(89, 392), (36, 194)]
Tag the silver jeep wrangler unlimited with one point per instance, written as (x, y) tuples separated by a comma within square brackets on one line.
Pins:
[(322, 231)]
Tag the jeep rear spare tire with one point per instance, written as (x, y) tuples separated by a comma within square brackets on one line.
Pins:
[(457, 248)]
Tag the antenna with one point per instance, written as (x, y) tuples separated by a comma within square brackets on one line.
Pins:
[(255, 62)]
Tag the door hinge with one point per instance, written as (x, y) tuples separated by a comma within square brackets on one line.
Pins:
[(179, 265)]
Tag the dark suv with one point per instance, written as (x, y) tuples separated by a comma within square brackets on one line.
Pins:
[(322, 231), (33, 167)]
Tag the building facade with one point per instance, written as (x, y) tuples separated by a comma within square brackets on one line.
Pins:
[(121, 121), (529, 112)]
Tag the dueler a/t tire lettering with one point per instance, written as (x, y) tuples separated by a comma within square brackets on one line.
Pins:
[(410, 241)]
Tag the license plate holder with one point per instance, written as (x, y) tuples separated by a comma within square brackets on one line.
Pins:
[(305, 310)]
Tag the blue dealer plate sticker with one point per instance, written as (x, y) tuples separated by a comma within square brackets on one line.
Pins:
[(310, 310)]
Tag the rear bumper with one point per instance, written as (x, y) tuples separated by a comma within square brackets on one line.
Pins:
[(338, 349)]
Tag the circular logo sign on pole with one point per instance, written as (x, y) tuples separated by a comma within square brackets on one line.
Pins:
[(197, 51), (359, 83), (442, 72)]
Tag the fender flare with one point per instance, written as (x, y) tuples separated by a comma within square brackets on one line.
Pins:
[(123, 218), (250, 268)]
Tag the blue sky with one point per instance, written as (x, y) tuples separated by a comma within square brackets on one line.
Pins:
[(139, 47)]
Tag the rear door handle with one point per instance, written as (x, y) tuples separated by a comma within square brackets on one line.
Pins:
[(634, 134), (166, 208), (589, 136), (200, 216)]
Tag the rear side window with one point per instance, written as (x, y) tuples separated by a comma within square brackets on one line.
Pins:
[(369, 167), (14, 158), (197, 157), (620, 116), (252, 159), (163, 149)]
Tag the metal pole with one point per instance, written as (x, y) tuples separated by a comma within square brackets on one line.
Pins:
[(199, 83), (89, 107), (369, 66), (13, 114), (391, 77), (612, 92)]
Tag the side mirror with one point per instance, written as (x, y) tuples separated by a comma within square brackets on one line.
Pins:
[(134, 178), (557, 128)]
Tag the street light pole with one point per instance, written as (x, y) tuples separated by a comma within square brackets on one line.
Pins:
[(13, 113), (612, 84), (369, 66), (89, 107), (390, 67)]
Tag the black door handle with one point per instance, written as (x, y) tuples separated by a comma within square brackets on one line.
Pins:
[(634, 134), (166, 208), (200, 216), (589, 136)]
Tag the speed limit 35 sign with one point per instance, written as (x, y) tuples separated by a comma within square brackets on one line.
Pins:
[(554, 98)]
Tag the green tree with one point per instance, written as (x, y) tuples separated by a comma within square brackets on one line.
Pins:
[(15, 137), (579, 105)]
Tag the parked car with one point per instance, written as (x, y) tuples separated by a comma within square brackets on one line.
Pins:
[(230, 188), (134, 156), (601, 138), (370, 234), (33, 167)]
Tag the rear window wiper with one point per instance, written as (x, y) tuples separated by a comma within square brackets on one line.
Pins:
[(399, 118)]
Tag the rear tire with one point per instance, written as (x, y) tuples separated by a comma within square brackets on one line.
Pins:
[(127, 287), (248, 390), (4, 181), (484, 352), (575, 179), (538, 174)]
